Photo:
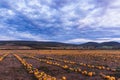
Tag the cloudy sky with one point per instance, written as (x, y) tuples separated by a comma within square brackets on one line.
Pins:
[(70, 21)]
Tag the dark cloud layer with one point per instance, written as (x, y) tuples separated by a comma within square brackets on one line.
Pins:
[(60, 20)]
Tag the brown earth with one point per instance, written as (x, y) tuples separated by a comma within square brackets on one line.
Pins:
[(12, 69)]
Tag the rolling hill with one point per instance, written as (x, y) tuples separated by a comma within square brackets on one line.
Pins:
[(57, 45)]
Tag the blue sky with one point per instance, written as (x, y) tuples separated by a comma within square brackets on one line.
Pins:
[(69, 21)]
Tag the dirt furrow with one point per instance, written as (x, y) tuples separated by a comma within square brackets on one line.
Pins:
[(12, 69), (58, 72)]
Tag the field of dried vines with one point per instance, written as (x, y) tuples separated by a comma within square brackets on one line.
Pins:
[(59, 65)]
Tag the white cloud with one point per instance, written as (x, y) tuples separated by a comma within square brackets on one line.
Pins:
[(40, 9), (78, 40), (70, 15), (21, 36), (110, 19), (11, 33), (34, 9), (103, 16), (115, 4), (99, 40), (6, 13), (81, 12), (25, 35), (85, 5), (108, 39), (6, 37)]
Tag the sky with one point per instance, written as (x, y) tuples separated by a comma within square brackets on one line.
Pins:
[(68, 21)]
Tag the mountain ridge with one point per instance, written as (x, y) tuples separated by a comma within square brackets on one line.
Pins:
[(57, 45)]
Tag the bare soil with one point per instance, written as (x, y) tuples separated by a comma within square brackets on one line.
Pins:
[(12, 69)]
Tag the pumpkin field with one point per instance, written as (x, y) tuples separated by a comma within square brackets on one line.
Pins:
[(59, 65)]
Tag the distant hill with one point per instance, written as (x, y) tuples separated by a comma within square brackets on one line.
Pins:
[(90, 44), (33, 45), (104, 45), (110, 44), (56, 45)]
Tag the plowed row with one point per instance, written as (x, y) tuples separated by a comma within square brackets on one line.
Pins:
[(12, 69), (40, 66)]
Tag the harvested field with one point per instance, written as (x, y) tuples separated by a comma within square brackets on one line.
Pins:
[(60, 64)]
